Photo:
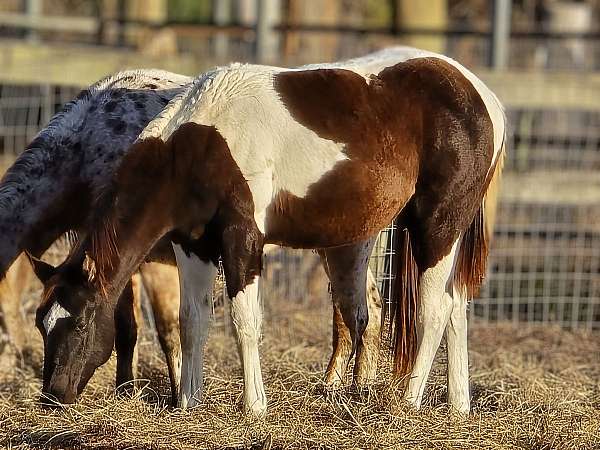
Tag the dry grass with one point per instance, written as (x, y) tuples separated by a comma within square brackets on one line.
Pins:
[(535, 389)]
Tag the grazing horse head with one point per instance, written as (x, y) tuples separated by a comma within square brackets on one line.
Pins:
[(77, 327)]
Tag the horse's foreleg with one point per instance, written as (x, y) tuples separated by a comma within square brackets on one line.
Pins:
[(365, 367), (346, 268), (435, 307), (242, 260), (458, 357), (162, 285), (12, 287), (246, 314), (126, 332), (196, 281)]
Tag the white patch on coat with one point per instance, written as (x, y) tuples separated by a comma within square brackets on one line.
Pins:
[(55, 312), (196, 280)]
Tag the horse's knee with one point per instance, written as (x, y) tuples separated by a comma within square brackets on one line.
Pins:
[(356, 317)]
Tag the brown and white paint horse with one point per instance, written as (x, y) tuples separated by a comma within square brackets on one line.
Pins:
[(322, 157), (49, 190)]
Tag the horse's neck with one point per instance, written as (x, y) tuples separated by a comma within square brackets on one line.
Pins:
[(33, 195)]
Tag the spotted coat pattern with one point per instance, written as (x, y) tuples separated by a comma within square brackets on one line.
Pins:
[(75, 155)]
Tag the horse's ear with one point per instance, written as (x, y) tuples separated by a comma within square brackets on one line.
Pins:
[(79, 266), (42, 270)]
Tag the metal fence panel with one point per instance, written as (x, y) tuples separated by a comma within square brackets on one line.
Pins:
[(545, 261)]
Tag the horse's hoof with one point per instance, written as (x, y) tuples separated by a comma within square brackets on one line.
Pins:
[(257, 410), (186, 402), (459, 412), (333, 382), (364, 382)]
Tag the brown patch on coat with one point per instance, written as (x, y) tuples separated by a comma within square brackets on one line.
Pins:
[(189, 186), (418, 133)]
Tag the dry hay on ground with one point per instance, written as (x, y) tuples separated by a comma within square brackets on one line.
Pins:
[(532, 388)]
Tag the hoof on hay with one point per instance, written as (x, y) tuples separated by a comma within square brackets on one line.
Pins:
[(459, 412), (188, 401), (256, 409), (364, 382), (333, 381)]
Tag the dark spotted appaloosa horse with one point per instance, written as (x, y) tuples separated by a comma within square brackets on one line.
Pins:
[(319, 157), (49, 190)]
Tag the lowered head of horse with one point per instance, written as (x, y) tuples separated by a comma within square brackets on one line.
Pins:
[(77, 328)]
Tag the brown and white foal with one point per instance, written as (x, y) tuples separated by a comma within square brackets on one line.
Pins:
[(322, 157)]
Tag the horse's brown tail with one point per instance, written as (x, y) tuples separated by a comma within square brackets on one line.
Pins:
[(404, 304), (469, 272)]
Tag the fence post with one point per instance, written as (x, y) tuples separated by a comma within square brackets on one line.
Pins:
[(222, 16), (33, 8), (501, 33), (267, 12)]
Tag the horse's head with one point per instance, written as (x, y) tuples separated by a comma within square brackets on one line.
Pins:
[(77, 325)]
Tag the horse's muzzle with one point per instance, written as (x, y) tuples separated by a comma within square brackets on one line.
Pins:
[(57, 398)]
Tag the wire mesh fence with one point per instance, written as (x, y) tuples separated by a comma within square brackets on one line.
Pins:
[(545, 260), (24, 110)]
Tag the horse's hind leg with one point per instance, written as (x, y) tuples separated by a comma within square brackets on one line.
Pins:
[(162, 285), (458, 357), (126, 332), (196, 281), (435, 307), (346, 268), (365, 367)]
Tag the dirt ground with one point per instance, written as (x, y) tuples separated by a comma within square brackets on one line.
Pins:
[(533, 388)]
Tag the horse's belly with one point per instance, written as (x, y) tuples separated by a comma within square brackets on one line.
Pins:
[(348, 206)]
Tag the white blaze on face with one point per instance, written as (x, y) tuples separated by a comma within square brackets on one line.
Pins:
[(56, 312)]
